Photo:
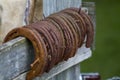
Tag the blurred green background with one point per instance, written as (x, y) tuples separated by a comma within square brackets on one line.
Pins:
[(106, 57)]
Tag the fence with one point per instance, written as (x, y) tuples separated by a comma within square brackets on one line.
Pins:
[(17, 55)]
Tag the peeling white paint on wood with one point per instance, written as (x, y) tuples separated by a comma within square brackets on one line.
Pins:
[(16, 13), (12, 15)]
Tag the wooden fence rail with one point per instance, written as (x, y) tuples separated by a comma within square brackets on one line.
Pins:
[(17, 55)]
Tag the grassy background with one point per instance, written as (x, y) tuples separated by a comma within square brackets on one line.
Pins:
[(106, 57)]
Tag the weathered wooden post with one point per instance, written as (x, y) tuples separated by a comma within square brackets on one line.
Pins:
[(16, 55)]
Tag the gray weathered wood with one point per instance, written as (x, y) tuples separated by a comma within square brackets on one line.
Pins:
[(17, 55), (52, 6), (15, 58), (65, 67)]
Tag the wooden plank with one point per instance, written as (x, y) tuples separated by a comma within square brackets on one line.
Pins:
[(82, 54), (69, 74), (17, 55), (15, 58), (62, 4), (52, 6), (49, 7)]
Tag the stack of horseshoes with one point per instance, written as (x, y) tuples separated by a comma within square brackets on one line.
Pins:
[(55, 38)]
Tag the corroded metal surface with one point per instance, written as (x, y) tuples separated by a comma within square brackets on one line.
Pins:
[(55, 43)]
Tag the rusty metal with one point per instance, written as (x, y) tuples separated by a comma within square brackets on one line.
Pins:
[(61, 38), (37, 67), (80, 28), (88, 24), (78, 20), (72, 27), (65, 32), (56, 38), (89, 29), (55, 34), (69, 37), (44, 29), (46, 38)]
